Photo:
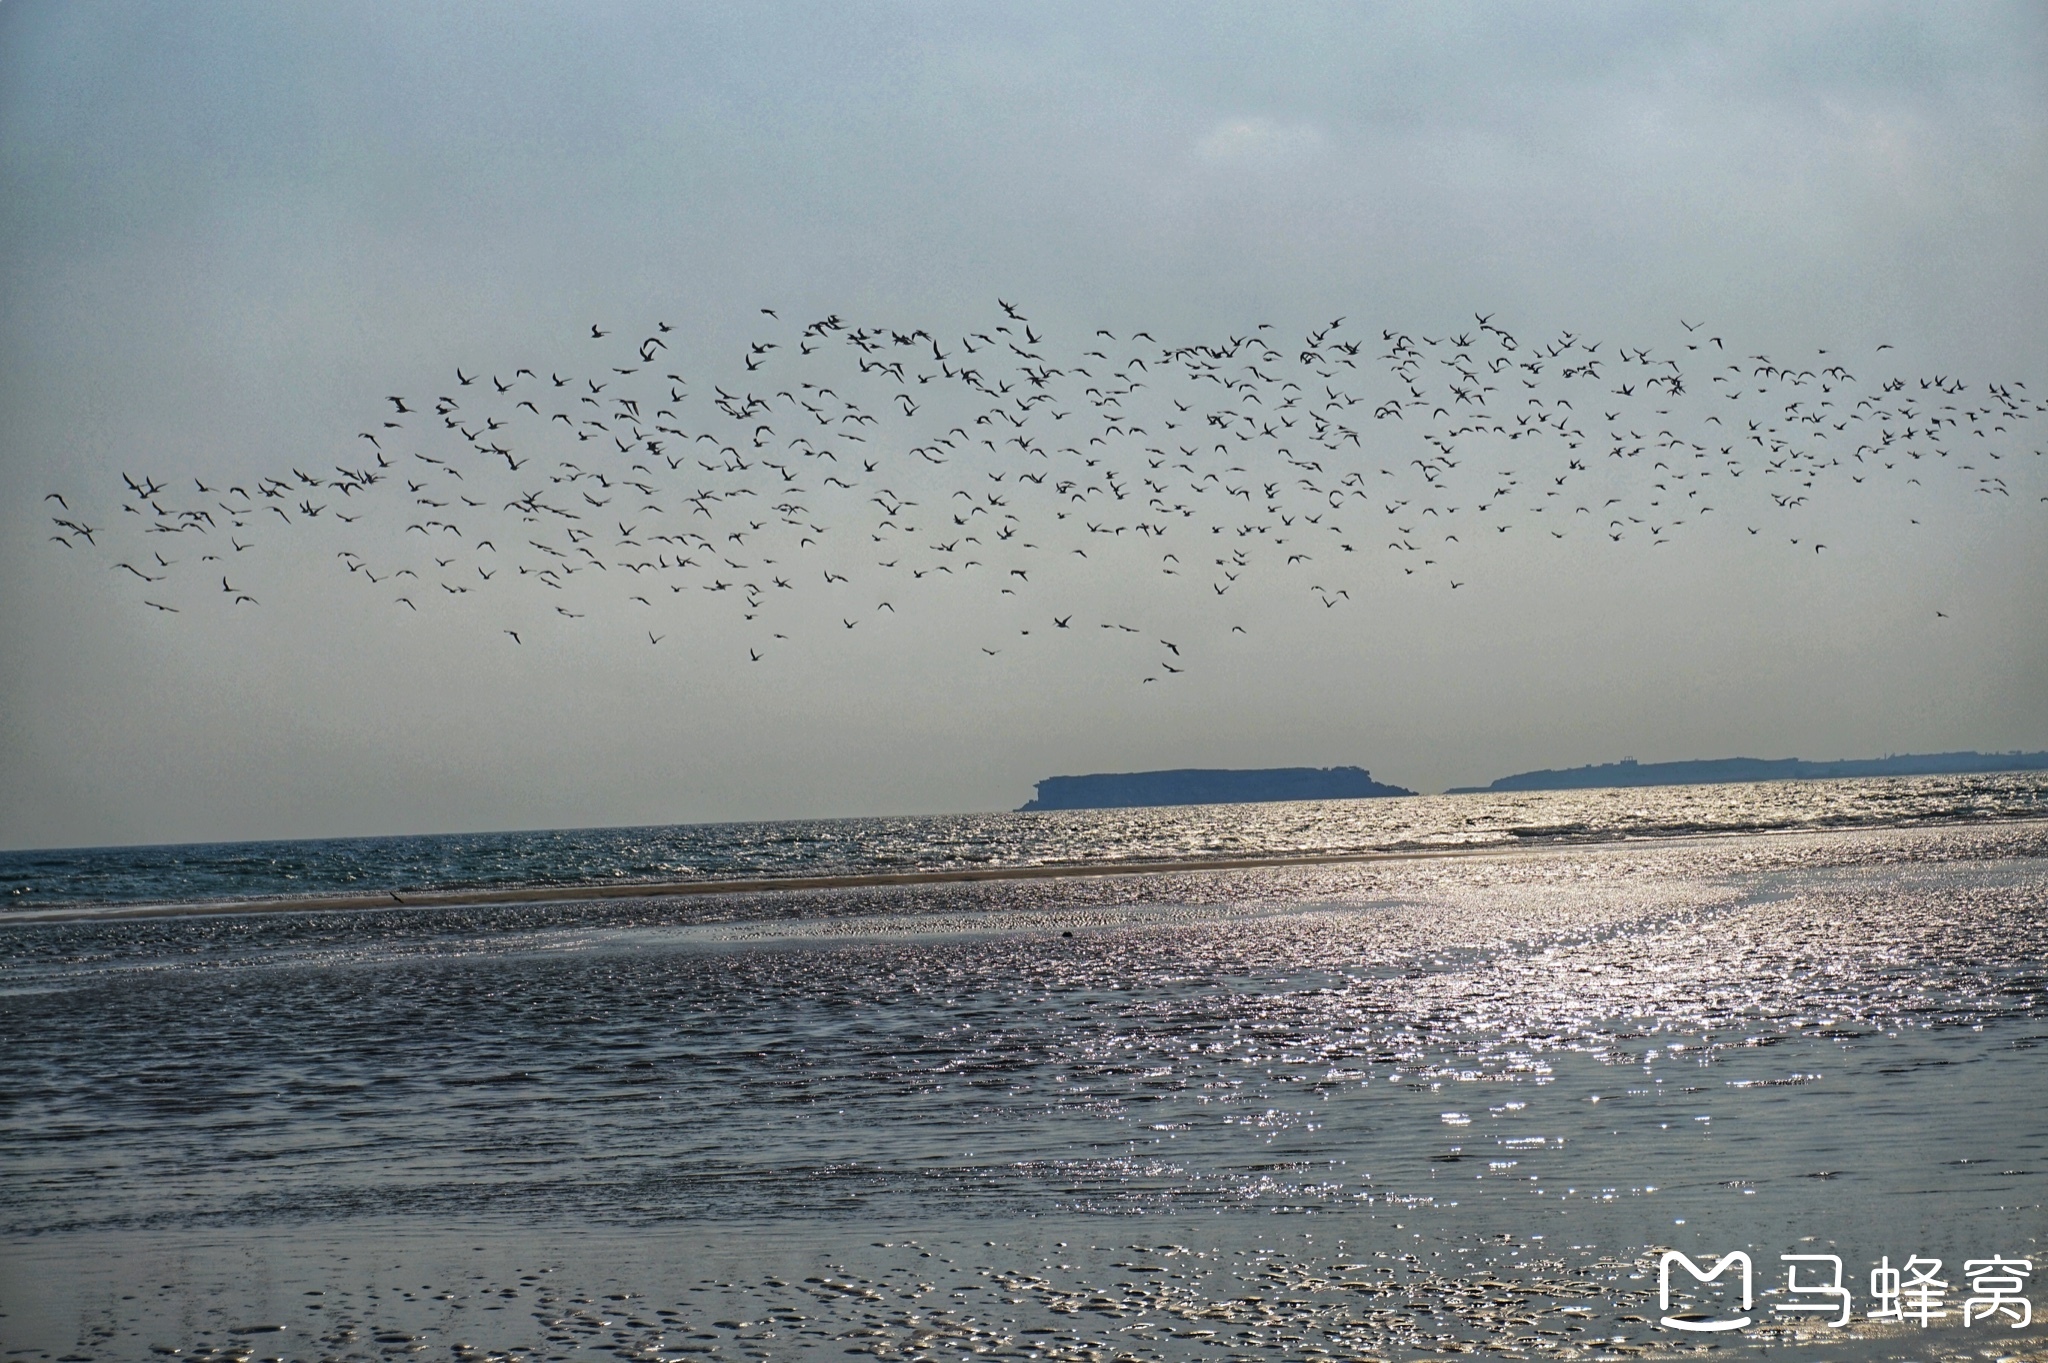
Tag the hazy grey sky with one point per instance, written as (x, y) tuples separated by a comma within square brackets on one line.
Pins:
[(226, 231)]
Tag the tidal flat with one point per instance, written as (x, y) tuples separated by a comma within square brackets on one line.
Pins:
[(1381, 1109)]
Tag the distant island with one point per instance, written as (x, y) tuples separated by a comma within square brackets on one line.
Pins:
[(1199, 786), (1732, 770)]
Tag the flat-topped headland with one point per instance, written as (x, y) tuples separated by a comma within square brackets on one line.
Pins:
[(1207, 786), (1742, 770)]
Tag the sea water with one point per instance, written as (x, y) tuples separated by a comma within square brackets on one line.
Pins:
[(1378, 1109), (203, 872)]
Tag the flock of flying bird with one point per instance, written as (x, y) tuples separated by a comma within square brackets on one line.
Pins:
[(843, 476)]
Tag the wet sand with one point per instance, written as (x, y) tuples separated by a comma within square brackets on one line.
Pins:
[(368, 901), (665, 889), (1138, 1291)]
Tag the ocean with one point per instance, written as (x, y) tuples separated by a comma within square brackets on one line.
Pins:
[(1461, 1093)]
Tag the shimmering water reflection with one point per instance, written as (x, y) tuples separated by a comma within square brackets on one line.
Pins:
[(1370, 1110), (612, 856)]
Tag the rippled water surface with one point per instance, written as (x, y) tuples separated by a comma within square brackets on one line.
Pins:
[(565, 857), (1362, 1110)]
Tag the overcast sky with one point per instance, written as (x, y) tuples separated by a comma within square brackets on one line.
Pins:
[(227, 231)]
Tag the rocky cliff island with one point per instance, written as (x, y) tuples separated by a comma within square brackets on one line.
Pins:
[(1202, 786)]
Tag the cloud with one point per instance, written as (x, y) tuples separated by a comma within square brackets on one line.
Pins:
[(1258, 141)]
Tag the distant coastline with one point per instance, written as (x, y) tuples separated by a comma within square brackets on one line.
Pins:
[(1206, 786), (1742, 770)]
